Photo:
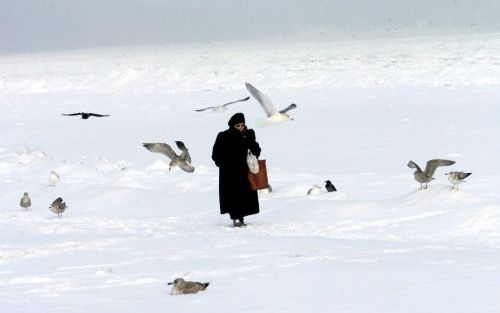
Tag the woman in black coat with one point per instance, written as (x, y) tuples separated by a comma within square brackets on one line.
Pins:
[(230, 155)]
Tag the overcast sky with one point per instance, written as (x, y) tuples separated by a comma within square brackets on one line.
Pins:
[(31, 25)]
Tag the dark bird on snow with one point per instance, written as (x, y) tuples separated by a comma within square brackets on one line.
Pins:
[(424, 177), (329, 186), (267, 105), (58, 207), (456, 178), (85, 115), (183, 160), (25, 201), (222, 107), (182, 287)]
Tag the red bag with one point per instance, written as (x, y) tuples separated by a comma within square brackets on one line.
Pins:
[(259, 181)]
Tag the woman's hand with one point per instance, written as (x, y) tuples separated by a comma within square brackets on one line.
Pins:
[(249, 136)]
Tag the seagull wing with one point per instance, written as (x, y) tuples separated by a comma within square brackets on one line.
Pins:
[(431, 166), (180, 145), (185, 152), (193, 287), (288, 108), (71, 114), (264, 101), (204, 109), (56, 201), (185, 166), (412, 164), (241, 100), (464, 175), (162, 148), (98, 115)]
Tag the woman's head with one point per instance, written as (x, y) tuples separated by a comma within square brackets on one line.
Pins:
[(237, 121)]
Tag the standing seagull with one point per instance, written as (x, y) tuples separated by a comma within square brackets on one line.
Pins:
[(85, 115), (58, 207), (267, 105), (54, 178), (183, 160), (222, 107), (25, 201), (182, 287), (314, 190), (456, 178), (426, 176)]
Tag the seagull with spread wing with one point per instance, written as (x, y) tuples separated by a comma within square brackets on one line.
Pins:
[(183, 160), (222, 107), (425, 176), (267, 105), (85, 115)]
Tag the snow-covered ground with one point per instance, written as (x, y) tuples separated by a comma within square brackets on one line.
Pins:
[(365, 108)]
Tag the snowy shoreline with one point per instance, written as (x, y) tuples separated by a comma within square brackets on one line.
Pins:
[(364, 109)]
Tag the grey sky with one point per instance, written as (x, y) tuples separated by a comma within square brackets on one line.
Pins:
[(31, 25)]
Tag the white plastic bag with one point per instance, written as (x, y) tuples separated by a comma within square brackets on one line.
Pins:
[(253, 163)]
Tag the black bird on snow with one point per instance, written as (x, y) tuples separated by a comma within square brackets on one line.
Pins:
[(85, 115), (329, 186)]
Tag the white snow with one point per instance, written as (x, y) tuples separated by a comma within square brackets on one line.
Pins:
[(365, 108)]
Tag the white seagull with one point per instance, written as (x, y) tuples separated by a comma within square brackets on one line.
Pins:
[(183, 160), (54, 178), (314, 190), (267, 105)]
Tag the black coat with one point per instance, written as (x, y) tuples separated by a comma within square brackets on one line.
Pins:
[(230, 155)]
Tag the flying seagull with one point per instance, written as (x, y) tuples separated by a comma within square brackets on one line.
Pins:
[(222, 107), (183, 160), (182, 287), (85, 115), (58, 207), (456, 178), (424, 177), (267, 105)]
